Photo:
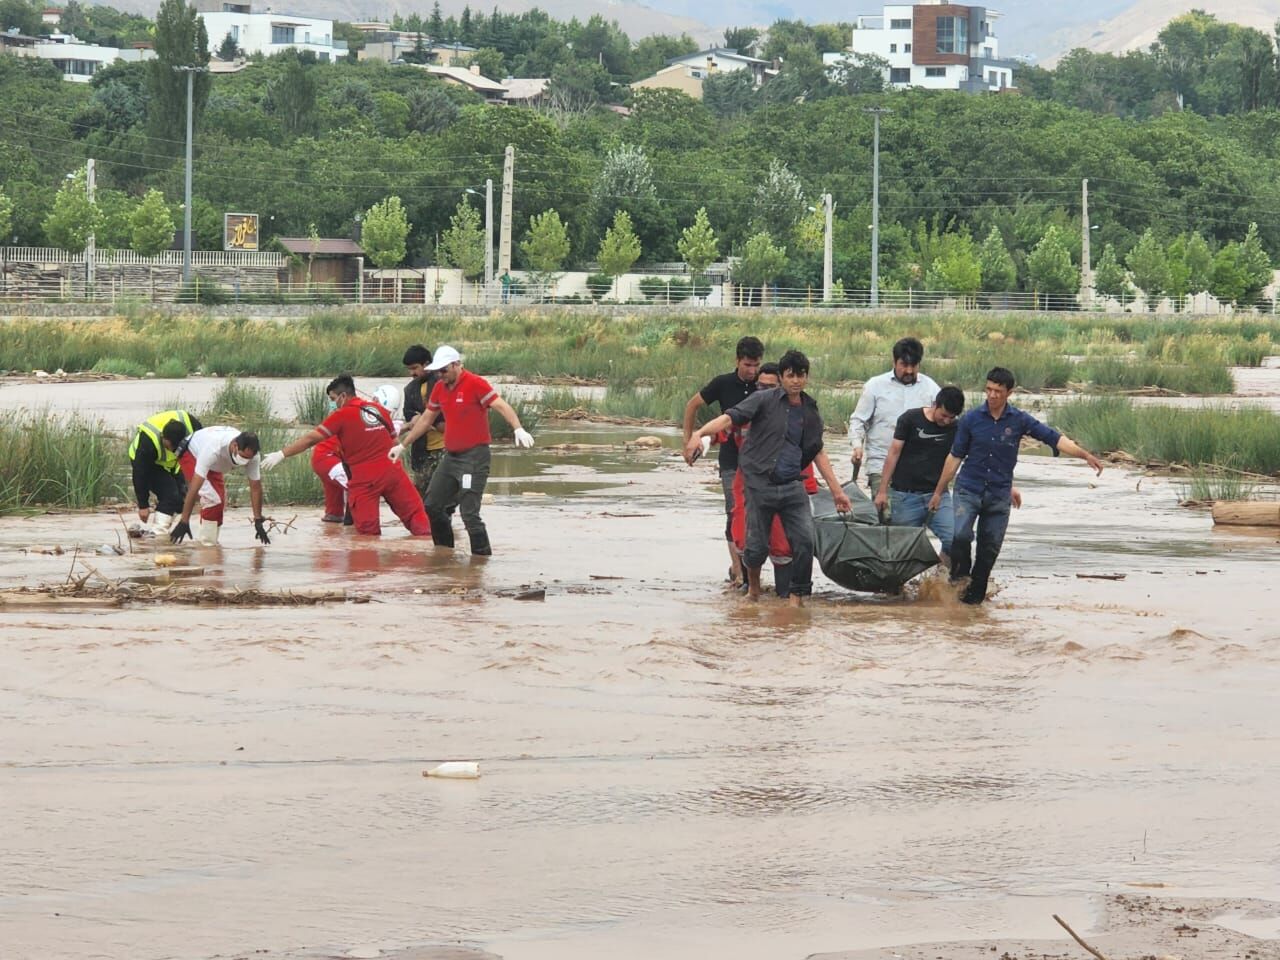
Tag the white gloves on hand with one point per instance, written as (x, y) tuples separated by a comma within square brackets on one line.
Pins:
[(272, 460), (706, 445), (524, 438), (395, 453)]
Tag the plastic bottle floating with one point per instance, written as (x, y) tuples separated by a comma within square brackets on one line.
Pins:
[(455, 770)]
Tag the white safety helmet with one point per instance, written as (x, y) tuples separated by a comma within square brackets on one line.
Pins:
[(389, 396)]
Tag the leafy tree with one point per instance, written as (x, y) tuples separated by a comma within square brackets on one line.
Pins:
[(181, 40), (386, 227), (6, 216), (115, 210), (859, 73), (74, 21), (620, 247), (761, 262), (20, 15), (431, 110), (730, 93), (291, 98), (462, 245), (489, 61), (1197, 261), (1049, 266), (698, 244), (957, 268), (151, 225), (546, 246), (1255, 263), (73, 217), (354, 95), (576, 87), (742, 39), (999, 274), (228, 49), (1149, 265), (779, 201), (1110, 279)]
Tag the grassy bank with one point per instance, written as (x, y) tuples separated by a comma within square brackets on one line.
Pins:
[(1045, 351), (1246, 439)]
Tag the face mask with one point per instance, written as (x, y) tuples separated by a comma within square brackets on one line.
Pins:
[(331, 405), (238, 460)]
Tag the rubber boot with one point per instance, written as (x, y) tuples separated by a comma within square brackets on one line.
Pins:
[(480, 544), (160, 524), (209, 533), (441, 530)]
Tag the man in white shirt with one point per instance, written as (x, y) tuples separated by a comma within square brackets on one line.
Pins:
[(884, 399), (212, 453)]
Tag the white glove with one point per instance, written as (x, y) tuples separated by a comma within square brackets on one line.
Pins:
[(523, 438), (706, 445), (272, 460), (395, 453)]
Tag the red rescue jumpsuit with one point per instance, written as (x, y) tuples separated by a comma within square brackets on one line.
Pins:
[(324, 457)]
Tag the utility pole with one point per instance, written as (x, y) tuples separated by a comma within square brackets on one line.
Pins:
[(875, 112), (828, 206), (1086, 261), (488, 232), (190, 71), (90, 248), (508, 183)]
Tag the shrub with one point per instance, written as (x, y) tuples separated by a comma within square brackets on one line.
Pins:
[(118, 367), (238, 403), (599, 284), (171, 369)]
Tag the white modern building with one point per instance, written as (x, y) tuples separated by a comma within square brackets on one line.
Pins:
[(77, 61), (932, 44), (267, 32)]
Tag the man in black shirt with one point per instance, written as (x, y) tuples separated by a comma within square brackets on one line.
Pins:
[(728, 390), (153, 457), (427, 450), (921, 441)]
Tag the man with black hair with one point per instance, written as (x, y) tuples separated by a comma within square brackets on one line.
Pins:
[(884, 399), (921, 441), (154, 454), (785, 437), (727, 391), (366, 434), (987, 441), (211, 454), (427, 450)]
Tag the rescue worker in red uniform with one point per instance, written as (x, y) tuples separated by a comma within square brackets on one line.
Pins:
[(326, 461), (365, 432)]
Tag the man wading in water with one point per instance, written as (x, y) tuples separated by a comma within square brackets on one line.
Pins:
[(785, 437)]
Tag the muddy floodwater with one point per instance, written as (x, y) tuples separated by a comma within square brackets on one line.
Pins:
[(666, 770)]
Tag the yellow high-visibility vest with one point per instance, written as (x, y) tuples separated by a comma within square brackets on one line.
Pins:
[(153, 427)]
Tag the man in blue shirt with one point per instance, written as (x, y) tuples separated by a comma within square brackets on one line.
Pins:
[(987, 441)]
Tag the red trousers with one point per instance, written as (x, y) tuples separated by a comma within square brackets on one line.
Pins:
[(367, 490), (324, 457), (778, 546), (214, 479)]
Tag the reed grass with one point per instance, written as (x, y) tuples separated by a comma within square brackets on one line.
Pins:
[(1207, 484), (311, 402), (120, 367), (634, 349), (237, 403), (1245, 439), (58, 461)]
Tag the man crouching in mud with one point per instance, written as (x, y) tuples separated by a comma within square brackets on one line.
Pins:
[(987, 441), (785, 437)]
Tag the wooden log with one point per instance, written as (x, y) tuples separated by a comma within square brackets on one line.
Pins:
[(1247, 513), (47, 601)]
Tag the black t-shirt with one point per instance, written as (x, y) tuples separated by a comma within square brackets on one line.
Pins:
[(728, 391), (924, 452)]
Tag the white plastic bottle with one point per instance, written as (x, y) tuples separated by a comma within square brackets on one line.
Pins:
[(455, 770)]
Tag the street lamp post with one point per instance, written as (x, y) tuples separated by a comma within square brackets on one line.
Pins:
[(488, 230), (190, 71), (875, 112)]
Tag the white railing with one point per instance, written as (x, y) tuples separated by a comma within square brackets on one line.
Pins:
[(167, 258)]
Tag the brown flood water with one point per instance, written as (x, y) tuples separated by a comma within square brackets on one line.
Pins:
[(667, 771)]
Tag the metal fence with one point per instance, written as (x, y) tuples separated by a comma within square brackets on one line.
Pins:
[(267, 288)]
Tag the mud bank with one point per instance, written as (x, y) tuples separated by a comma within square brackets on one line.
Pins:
[(666, 770)]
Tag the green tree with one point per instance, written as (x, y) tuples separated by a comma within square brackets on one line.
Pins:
[(730, 93), (1255, 264), (999, 273), (545, 246), (741, 39), (20, 15), (291, 98), (1149, 265), (1197, 261), (385, 230), (779, 201), (181, 41), (73, 217), (1049, 267), (151, 226), (6, 216), (228, 49), (431, 110), (698, 244), (1110, 279), (1229, 282), (462, 245), (75, 21), (762, 261), (957, 268), (619, 249)]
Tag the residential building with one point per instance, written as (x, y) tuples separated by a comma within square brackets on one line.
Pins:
[(470, 77), (687, 73), (268, 32), (933, 44), (525, 91), (51, 16), (77, 61)]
